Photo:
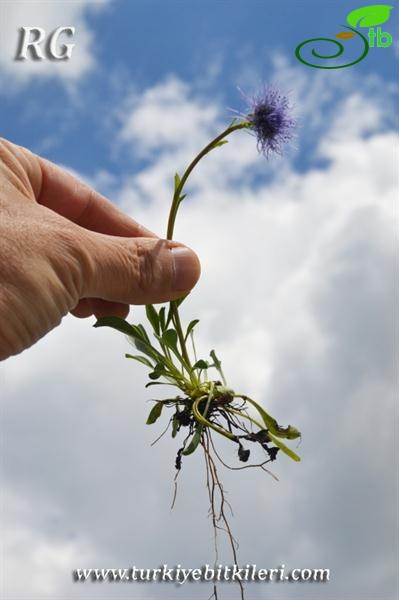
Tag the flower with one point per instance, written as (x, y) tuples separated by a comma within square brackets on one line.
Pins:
[(269, 117)]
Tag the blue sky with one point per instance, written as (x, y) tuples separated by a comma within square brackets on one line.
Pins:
[(145, 41), (297, 294)]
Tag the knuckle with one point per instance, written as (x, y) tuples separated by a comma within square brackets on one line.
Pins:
[(145, 267), (19, 167), (66, 255), (75, 262)]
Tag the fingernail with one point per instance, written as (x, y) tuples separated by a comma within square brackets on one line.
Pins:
[(186, 268)]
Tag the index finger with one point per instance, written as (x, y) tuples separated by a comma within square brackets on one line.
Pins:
[(68, 196)]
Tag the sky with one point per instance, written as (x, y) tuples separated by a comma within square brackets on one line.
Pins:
[(297, 295)]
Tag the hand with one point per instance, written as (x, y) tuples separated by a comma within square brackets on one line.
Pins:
[(65, 248)]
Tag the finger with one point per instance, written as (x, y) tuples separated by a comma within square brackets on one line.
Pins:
[(83, 309), (137, 270), (98, 307), (106, 308), (65, 194)]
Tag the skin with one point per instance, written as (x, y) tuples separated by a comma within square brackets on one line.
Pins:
[(65, 248)]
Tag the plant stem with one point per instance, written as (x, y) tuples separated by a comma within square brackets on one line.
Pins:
[(177, 199), (180, 335), (205, 423), (179, 188)]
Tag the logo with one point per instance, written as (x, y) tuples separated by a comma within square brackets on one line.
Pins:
[(40, 46), (370, 17)]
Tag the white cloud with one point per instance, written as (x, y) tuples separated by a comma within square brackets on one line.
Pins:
[(297, 298), (15, 14), (32, 554), (165, 116)]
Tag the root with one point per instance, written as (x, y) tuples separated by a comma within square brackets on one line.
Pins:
[(218, 504), (258, 465), (225, 413)]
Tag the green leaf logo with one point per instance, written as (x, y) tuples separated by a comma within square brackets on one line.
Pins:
[(369, 16)]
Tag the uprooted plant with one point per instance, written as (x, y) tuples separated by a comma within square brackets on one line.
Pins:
[(205, 406)]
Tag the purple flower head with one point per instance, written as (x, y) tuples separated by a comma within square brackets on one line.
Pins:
[(269, 116)]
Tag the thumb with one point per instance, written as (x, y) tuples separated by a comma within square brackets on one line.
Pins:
[(137, 270)]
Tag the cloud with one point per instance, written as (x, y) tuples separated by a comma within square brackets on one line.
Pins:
[(15, 74), (30, 553), (297, 298), (163, 115)]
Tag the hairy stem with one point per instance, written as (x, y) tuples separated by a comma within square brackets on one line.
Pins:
[(176, 201), (179, 188)]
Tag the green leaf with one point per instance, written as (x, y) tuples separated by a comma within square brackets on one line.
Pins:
[(169, 337), (136, 334), (141, 359), (150, 383), (177, 181), (290, 432), (144, 335), (217, 363), (169, 318), (175, 426), (369, 16), (268, 420), (195, 440), (201, 364), (190, 327), (155, 413), (145, 348), (177, 304), (115, 323), (161, 316), (152, 316), (276, 431), (141, 342), (182, 299), (221, 143), (157, 372)]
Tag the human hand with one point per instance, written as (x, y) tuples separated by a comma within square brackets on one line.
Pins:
[(65, 248)]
